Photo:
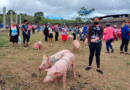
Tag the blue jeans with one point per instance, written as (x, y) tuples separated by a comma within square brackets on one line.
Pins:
[(46, 39), (108, 44)]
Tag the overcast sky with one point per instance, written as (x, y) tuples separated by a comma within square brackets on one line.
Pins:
[(66, 8)]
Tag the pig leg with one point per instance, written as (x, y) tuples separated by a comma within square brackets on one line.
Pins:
[(79, 49), (73, 49), (73, 67), (57, 80), (64, 78)]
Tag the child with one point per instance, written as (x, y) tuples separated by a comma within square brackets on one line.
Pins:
[(64, 34), (50, 34)]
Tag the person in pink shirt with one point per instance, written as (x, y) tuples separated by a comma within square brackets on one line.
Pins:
[(109, 36), (119, 33)]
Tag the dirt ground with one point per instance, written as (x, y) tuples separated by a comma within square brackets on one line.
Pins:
[(116, 66)]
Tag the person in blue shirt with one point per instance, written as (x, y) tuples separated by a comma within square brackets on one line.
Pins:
[(125, 37), (29, 31), (85, 31), (24, 33)]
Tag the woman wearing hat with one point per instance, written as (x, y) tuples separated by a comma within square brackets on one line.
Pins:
[(109, 36)]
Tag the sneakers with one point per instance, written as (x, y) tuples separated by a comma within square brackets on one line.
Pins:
[(88, 68), (100, 71)]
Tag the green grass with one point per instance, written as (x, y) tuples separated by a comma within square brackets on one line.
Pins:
[(115, 66)]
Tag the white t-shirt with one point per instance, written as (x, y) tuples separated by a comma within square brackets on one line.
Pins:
[(50, 30)]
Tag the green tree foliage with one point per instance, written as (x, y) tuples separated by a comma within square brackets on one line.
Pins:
[(78, 19), (38, 17), (83, 11), (8, 13)]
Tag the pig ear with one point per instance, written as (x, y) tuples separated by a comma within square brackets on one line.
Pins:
[(48, 60), (44, 57), (57, 73)]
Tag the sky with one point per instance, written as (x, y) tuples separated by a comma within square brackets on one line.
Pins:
[(66, 9)]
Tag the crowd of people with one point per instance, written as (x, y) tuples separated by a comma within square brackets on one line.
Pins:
[(92, 35)]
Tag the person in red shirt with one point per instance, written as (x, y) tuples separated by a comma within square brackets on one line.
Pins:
[(109, 36), (119, 33)]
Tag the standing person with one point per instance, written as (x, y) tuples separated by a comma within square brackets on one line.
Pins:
[(125, 36), (85, 30), (80, 32), (14, 33), (29, 30), (39, 27), (109, 36), (119, 33), (75, 31), (33, 28), (50, 34), (56, 32), (94, 37), (115, 27), (46, 33), (64, 33), (24, 33)]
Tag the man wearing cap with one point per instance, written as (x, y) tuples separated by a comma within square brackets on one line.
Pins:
[(109, 36)]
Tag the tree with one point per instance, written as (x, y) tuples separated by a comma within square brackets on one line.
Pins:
[(8, 13), (83, 11), (78, 19), (38, 16)]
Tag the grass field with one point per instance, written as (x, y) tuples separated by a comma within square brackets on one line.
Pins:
[(116, 67)]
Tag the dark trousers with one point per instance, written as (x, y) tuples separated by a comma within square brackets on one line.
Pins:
[(108, 44), (33, 30), (25, 37), (56, 36), (46, 38), (95, 48), (74, 35), (125, 43)]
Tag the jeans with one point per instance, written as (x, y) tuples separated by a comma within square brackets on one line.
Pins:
[(125, 43), (74, 36), (46, 38), (95, 48), (108, 44), (25, 37)]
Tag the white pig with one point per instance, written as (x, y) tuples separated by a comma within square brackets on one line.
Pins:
[(48, 62), (60, 68), (70, 37), (38, 45), (76, 45)]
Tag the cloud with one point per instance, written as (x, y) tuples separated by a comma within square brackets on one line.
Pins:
[(67, 8)]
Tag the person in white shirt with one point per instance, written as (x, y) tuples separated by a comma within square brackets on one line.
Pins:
[(50, 34)]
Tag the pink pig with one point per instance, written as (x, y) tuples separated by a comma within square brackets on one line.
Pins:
[(48, 62), (38, 45), (60, 68), (76, 45), (70, 37)]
